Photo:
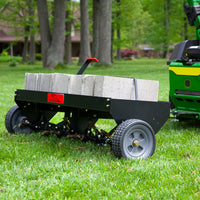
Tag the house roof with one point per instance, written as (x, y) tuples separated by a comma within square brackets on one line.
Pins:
[(10, 33), (6, 38)]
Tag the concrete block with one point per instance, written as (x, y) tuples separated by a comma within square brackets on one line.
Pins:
[(44, 82), (92, 85), (147, 90), (60, 83), (30, 81), (114, 87), (75, 84), (88, 82)]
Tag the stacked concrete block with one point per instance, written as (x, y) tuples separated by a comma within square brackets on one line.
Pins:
[(31, 81), (75, 84), (147, 90), (114, 87), (60, 83), (81, 85), (44, 82), (88, 84), (91, 85), (38, 82)]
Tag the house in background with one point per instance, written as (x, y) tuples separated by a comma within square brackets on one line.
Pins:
[(15, 44)]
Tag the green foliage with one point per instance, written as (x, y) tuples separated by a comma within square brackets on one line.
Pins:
[(133, 22), (3, 4), (158, 23), (38, 56), (17, 15), (30, 62), (4, 52), (12, 63), (168, 22), (4, 59), (35, 167), (60, 66)]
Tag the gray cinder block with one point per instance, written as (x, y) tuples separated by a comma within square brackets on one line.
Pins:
[(44, 82), (60, 83), (114, 87), (30, 81), (91, 85), (147, 90), (88, 82), (75, 84)]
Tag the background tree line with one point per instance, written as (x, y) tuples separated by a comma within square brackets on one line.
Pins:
[(110, 24)]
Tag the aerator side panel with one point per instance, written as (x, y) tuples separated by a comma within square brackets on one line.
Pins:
[(33, 103)]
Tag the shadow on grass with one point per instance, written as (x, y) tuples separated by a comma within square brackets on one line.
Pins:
[(173, 125)]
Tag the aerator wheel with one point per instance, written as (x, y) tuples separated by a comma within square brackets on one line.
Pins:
[(133, 139), (14, 121)]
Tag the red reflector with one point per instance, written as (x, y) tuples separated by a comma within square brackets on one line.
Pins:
[(55, 98)]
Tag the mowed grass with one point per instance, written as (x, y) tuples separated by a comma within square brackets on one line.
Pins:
[(35, 167)]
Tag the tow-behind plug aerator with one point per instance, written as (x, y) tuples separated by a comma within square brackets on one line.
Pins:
[(84, 99)]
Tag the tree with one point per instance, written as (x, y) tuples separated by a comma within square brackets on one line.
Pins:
[(31, 12), (102, 30), (168, 23), (85, 33), (166, 28), (105, 31), (96, 21), (68, 44), (52, 43), (131, 25), (118, 27), (21, 15), (3, 5), (29, 29)]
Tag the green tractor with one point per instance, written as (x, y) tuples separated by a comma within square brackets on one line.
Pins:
[(184, 70)]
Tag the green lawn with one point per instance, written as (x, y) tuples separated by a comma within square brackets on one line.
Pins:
[(35, 167)]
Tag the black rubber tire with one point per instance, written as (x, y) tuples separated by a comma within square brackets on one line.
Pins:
[(133, 139), (13, 118)]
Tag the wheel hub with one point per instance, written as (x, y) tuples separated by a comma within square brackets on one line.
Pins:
[(136, 143)]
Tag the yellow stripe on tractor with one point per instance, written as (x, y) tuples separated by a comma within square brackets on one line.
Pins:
[(185, 71)]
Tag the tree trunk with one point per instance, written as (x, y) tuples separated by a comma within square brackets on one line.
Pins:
[(32, 31), (96, 20), (166, 24), (112, 40), (45, 33), (85, 33), (25, 49), (105, 31), (118, 31), (68, 43), (118, 47), (56, 50), (52, 46)]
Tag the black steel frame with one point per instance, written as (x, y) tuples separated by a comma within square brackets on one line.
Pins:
[(83, 109)]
